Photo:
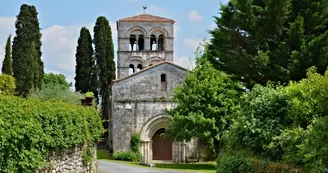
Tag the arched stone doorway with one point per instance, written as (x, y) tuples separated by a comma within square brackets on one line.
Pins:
[(150, 133), (162, 147)]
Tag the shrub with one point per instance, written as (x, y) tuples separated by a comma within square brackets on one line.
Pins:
[(57, 92), (7, 84), (29, 129), (234, 163), (262, 116), (127, 156), (135, 142)]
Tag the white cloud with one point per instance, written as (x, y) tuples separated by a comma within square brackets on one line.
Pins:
[(192, 43), (185, 62), (195, 16), (58, 45)]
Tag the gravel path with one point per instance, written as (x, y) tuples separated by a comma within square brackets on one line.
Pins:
[(111, 167)]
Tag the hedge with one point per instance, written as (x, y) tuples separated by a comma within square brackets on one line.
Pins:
[(29, 129)]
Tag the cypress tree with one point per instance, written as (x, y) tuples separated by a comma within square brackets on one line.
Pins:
[(276, 40), (26, 51), (104, 54), (7, 62), (84, 62)]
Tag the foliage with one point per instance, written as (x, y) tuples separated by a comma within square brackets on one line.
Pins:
[(104, 49), (7, 61), (315, 146), (7, 84), (56, 79), (309, 98), (84, 62), (56, 92), (26, 51), (275, 40), (127, 156), (135, 143), (89, 94), (205, 99), (31, 128), (262, 115), (88, 155), (234, 163)]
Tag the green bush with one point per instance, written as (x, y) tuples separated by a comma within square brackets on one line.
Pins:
[(135, 142), (57, 92), (127, 156), (262, 116), (7, 84), (29, 129), (234, 163)]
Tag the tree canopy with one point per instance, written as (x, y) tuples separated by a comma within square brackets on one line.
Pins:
[(26, 51), (56, 79), (104, 54), (206, 100), (7, 61), (84, 62), (275, 40)]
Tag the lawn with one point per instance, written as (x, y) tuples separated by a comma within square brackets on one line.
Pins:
[(202, 167)]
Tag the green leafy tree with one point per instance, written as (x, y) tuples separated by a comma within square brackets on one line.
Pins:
[(56, 79), (7, 84), (308, 98), (277, 40), (26, 51), (262, 115), (84, 62), (104, 55), (206, 100), (7, 62)]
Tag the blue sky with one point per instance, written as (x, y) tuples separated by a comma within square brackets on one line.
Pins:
[(61, 20)]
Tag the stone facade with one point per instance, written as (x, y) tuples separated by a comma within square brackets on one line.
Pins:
[(146, 56), (68, 161), (139, 99)]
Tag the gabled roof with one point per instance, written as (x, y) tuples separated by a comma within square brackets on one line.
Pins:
[(146, 18), (145, 69)]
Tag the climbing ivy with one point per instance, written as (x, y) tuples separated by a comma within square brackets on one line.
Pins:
[(29, 129)]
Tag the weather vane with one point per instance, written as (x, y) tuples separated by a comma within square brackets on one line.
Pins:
[(144, 8)]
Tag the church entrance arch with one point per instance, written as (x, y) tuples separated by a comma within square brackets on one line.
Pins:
[(162, 147)]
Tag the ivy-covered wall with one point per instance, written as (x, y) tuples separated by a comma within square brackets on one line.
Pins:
[(31, 129)]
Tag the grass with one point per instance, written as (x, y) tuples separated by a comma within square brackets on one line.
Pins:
[(102, 154), (202, 167)]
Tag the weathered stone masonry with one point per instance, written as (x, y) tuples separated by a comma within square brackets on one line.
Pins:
[(142, 92)]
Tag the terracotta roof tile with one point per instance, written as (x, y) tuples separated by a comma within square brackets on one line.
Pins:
[(145, 18)]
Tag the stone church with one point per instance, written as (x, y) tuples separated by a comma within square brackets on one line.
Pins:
[(146, 77)]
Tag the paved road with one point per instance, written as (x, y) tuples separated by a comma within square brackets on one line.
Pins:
[(110, 167)]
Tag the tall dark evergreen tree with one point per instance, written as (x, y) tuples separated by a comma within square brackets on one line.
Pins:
[(28, 37), (7, 62), (84, 62), (277, 40), (104, 50)]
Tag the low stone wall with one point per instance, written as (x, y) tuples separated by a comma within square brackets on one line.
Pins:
[(69, 161)]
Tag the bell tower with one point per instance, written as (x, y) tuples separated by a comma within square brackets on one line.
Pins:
[(143, 40)]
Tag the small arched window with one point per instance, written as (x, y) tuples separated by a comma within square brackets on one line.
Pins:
[(163, 82), (131, 69), (153, 43), (132, 43), (161, 43), (139, 67), (141, 42)]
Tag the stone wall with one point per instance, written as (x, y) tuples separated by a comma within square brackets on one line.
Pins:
[(68, 161)]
